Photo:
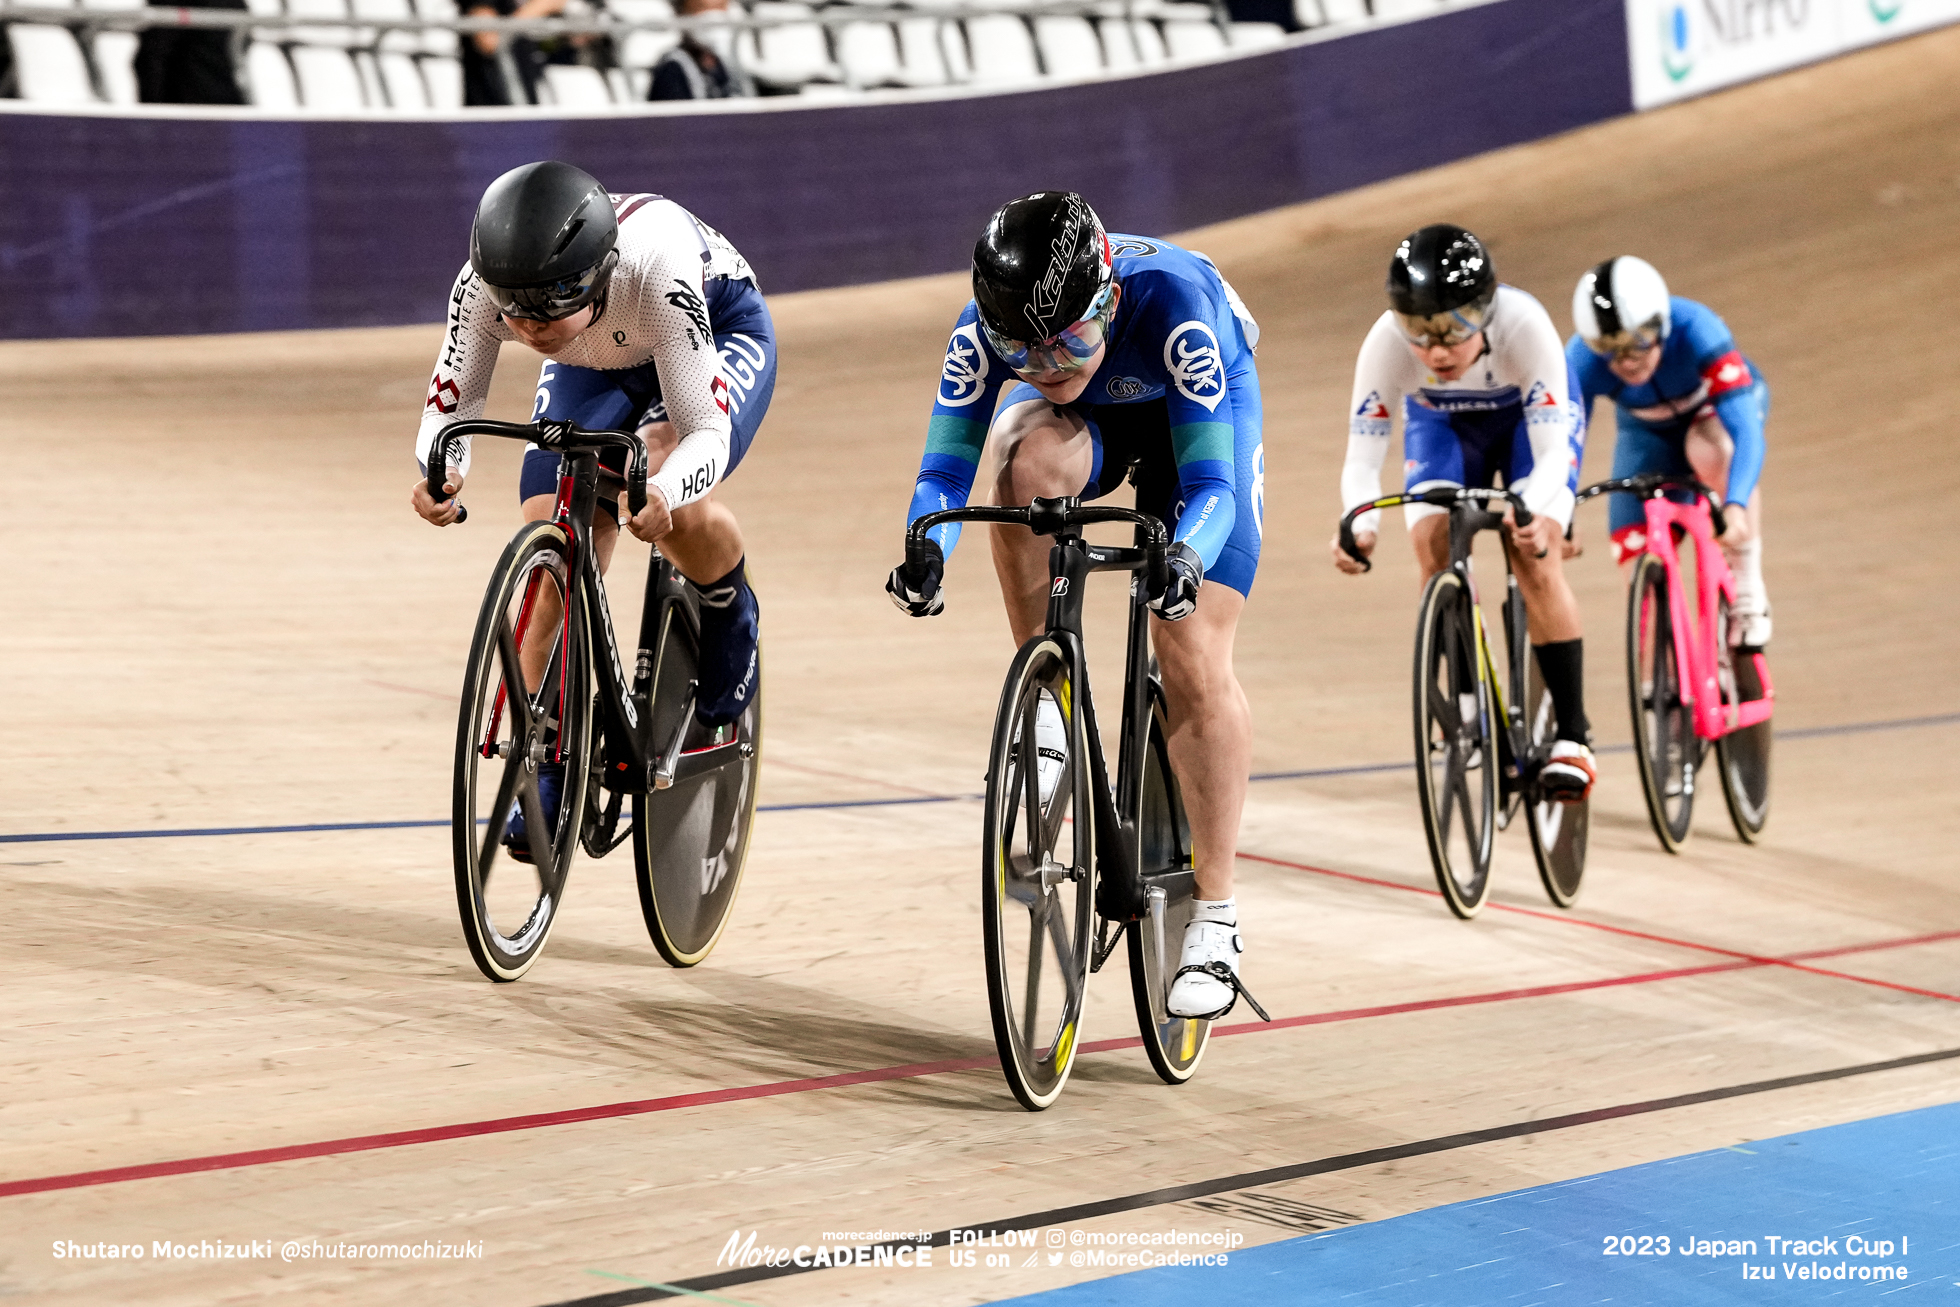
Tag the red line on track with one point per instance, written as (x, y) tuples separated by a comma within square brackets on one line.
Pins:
[(776, 1089), (1792, 962)]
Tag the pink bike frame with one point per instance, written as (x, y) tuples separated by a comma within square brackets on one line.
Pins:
[(1694, 648)]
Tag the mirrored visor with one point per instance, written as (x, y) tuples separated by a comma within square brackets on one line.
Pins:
[(560, 299), (1067, 350), (1449, 329), (1626, 344)]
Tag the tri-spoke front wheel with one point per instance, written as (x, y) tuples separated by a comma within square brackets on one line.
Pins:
[(1664, 741), (1456, 761), (523, 745), (1037, 898)]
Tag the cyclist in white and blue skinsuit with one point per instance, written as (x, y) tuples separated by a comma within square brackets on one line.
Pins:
[(1479, 374), (1688, 401), (1119, 352)]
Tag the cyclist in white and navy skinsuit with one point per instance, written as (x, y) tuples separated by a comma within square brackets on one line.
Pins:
[(1479, 375), (650, 321)]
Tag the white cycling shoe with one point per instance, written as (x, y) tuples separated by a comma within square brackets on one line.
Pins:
[(1750, 630), (1050, 745), (1207, 982), (1568, 775)]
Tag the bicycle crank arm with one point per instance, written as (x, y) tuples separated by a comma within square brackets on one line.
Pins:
[(669, 758), (699, 762)]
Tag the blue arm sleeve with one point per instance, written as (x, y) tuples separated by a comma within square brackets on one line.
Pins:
[(946, 473), (1205, 480), (969, 384), (1741, 411), (1595, 378)]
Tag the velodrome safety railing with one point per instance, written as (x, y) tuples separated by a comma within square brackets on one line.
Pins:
[(381, 56)]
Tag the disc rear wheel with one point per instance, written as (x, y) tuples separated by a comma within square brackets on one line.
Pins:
[(1665, 746), (691, 840), (1156, 941), (514, 732), (1037, 880), (1743, 755), (1456, 774), (1558, 830)]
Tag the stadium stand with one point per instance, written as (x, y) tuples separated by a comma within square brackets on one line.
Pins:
[(352, 57)]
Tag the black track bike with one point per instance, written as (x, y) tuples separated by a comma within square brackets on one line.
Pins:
[(545, 688), (1479, 751), (1064, 877)]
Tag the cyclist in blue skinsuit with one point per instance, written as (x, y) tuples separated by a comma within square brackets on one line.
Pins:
[(1124, 356), (1688, 401)]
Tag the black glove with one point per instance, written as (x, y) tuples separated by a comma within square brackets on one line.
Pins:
[(1184, 572), (918, 592)]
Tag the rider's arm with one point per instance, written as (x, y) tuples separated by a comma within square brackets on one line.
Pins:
[(969, 384), (1595, 378), (1551, 413), (1731, 392), (670, 308), (1379, 384), (461, 382)]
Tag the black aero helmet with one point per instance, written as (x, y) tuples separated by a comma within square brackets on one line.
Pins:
[(1041, 265), (1441, 285), (543, 240)]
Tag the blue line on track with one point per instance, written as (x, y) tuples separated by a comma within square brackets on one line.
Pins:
[(51, 837)]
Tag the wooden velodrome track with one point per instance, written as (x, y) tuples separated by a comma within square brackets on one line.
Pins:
[(221, 614)]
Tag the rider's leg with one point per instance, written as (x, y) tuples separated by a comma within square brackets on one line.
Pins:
[(1210, 729), (1041, 452), (1430, 536), (706, 546), (1709, 450), (543, 630), (1552, 619)]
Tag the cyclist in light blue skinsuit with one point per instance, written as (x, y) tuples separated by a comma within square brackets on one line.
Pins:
[(1688, 401), (1124, 356)]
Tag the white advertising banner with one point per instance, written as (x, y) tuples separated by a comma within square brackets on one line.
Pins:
[(1680, 48), (1867, 21)]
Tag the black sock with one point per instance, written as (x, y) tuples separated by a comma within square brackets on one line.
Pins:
[(1563, 665)]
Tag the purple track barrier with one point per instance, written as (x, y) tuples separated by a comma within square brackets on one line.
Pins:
[(145, 225)]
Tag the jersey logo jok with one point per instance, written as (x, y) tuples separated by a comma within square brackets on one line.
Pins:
[(1125, 387), (965, 373), (1191, 355)]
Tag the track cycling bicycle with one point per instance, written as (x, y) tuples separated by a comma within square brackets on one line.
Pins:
[(1464, 718), (543, 637), (1688, 686), (1065, 878)]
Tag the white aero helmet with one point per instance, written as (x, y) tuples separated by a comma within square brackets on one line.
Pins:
[(1620, 307)]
